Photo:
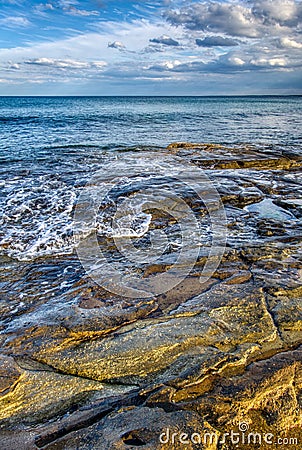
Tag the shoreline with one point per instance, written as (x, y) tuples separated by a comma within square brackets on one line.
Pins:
[(87, 367)]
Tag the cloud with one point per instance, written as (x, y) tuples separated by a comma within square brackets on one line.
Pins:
[(49, 62), (65, 64), (216, 41), (65, 6), (42, 8), (233, 19), (98, 64), (200, 47), (133, 35), (165, 66), (165, 40), (116, 44), (251, 19), (46, 6), (286, 42), (14, 66), (12, 2), (80, 12), (15, 21), (269, 62), (233, 62), (282, 12)]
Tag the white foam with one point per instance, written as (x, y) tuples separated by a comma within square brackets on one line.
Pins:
[(133, 225), (36, 218)]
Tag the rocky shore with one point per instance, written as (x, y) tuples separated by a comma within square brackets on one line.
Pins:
[(88, 370)]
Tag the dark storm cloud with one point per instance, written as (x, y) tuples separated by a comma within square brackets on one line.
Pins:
[(165, 40), (216, 41)]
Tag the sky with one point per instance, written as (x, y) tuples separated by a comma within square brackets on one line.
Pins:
[(164, 47)]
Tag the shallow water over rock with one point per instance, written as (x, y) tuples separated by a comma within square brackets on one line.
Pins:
[(267, 209)]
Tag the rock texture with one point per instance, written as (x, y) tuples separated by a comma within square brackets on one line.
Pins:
[(82, 368)]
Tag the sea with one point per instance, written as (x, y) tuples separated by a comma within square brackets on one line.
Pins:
[(51, 148)]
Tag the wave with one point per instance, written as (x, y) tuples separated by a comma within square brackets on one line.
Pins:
[(23, 119), (36, 218), (135, 224), (76, 146)]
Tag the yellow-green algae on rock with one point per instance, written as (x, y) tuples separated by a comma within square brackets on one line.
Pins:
[(37, 395)]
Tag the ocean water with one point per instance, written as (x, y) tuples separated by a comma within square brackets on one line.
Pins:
[(51, 147)]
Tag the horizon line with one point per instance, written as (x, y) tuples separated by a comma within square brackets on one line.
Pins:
[(152, 96)]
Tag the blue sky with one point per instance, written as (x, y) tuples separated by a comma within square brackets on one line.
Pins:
[(164, 47)]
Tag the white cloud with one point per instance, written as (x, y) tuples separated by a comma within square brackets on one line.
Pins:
[(57, 63), (65, 64), (286, 42), (269, 62), (98, 64), (250, 19), (116, 44), (235, 61), (49, 6), (197, 41), (277, 11), (5, 81), (45, 6), (134, 36), (167, 65), (234, 19), (15, 66), (15, 21), (65, 6), (80, 12)]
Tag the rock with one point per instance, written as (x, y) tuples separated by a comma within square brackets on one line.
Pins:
[(288, 317), (126, 429), (9, 374), (220, 157), (83, 368), (41, 395), (266, 398), (149, 350), (239, 278)]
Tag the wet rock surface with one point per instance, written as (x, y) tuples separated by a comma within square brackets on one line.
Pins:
[(84, 368)]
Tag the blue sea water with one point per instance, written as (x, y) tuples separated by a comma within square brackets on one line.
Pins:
[(37, 124), (51, 146)]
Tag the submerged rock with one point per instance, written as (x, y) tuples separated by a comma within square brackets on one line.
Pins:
[(268, 210)]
